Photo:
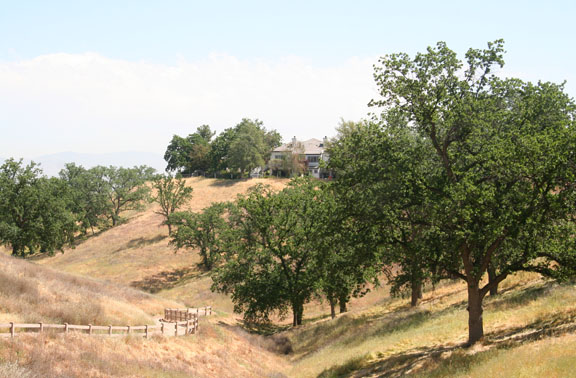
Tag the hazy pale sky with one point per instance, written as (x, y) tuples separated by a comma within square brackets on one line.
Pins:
[(109, 76)]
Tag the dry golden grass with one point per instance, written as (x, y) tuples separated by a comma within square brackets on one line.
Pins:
[(32, 293), (392, 337), (552, 357), (137, 252), (214, 352), (378, 336)]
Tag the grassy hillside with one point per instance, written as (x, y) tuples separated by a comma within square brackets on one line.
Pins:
[(392, 339), (214, 352), (32, 293), (138, 253), (529, 327)]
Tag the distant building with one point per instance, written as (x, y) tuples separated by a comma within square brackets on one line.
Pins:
[(299, 157)]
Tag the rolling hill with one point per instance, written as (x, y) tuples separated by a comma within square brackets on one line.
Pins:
[(530, 326)]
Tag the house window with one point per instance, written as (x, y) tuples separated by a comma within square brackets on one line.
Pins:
[(312, 159), (277, 157)]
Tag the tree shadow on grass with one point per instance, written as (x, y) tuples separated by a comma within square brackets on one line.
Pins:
[(551, 325), (517, 298), (453, 357), (227, 182), (337, 331), (263, 328), (166, 279), (141, 242)]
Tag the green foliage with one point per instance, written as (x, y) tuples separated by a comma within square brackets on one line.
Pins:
[(493, 167), (241, 148), (39, 214), (127, 189), (171, 194), (271, 255), (248, 146), (89, 196), (248, 150), (281, 249), (345, 261), (34, 210), (190, 154), (220, 148), (99, 194), (379, 174), (204, 231)]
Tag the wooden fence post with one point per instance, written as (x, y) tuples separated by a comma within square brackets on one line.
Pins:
[(128, 330), (176, 329), (187, 327), (162, 328), (146, 331), (41, 327), (90, 329), (65, 327), (110, 330), (12, 329)]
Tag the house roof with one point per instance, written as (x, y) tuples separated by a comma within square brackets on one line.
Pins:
[(308, 147)]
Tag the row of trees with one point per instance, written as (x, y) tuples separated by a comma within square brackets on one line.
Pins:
[(463, 175), (237, 149), (275, 251), (100, 194), (42, 215)]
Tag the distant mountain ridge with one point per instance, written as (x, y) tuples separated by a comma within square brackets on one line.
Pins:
[(52, 164)]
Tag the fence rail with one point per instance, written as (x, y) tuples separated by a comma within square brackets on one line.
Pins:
[(179, 314), (180, 327)]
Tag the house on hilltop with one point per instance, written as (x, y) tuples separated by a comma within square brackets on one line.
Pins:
[(300, 157)]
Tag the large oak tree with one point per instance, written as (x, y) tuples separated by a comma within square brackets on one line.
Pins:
[(35, 214), (497, 169)]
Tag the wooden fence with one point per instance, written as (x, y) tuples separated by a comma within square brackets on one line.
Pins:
[(176, 328), (178, 314)]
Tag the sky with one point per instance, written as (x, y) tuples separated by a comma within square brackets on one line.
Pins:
[(111, 76)]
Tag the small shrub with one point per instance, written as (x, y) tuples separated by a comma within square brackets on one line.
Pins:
[(280, 344)]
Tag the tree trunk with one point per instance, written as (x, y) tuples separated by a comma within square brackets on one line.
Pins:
[(416, 292), (343, 300), (206, 261), (332, 301), (475, 323), (169, 229), (297, 312), (491, 278)]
